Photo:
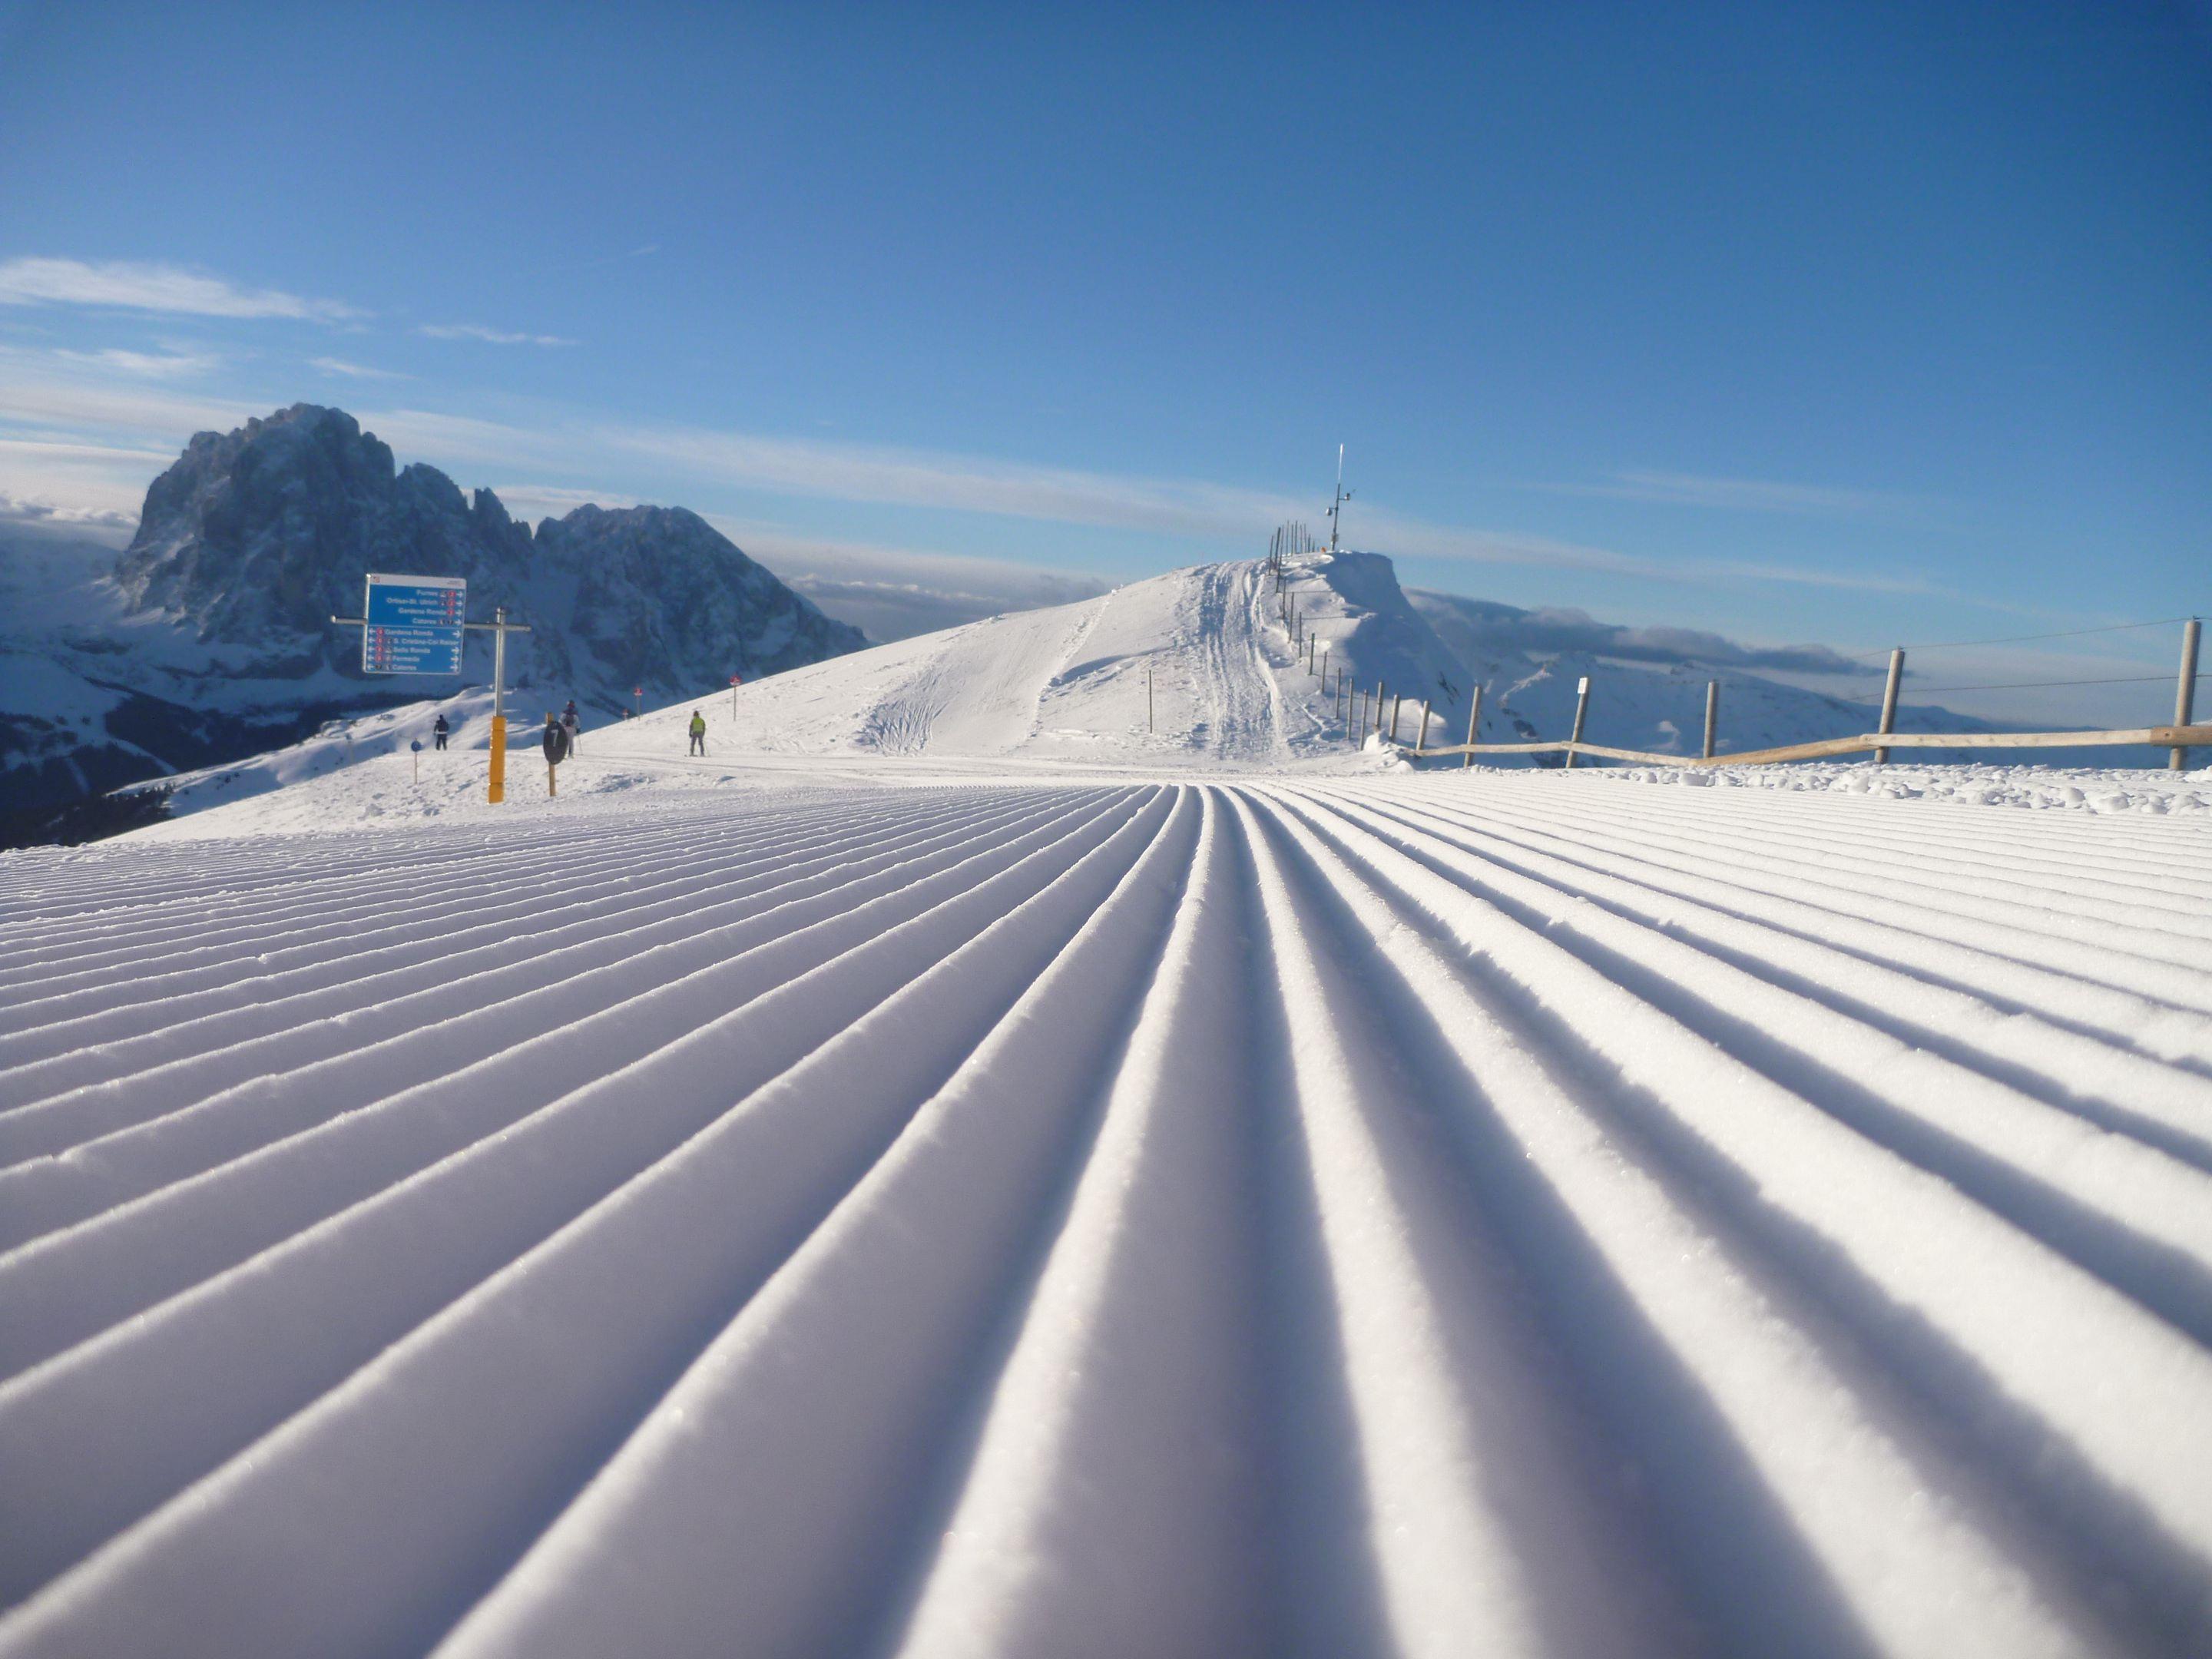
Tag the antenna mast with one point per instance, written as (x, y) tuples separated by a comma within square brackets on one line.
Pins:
[(1336, 508)]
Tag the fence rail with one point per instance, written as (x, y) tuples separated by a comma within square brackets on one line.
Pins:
[(2162, 737)]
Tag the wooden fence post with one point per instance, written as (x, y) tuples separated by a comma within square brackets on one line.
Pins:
[(1381, 692), (1474, 729), (1421, 736), (1395, 703), (1889, 702), (1712, 714), (2185, 695), (1581, 707)]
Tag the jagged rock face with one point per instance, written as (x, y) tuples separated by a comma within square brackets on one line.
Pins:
[(268, 530), (659, 585), (256, 537)]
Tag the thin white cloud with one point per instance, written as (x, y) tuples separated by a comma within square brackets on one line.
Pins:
[(895, 593), (842, 471), (64, 483), (533, 501), (1734, 495), (877, 564), (108, 407), (157, 365), (812, 468), (39, 510), (356, 370), (959, 482), (491, 336), (61, 453), (141, 286)]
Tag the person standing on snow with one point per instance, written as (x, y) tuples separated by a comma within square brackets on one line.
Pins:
[(571, 724), (698, 733), (438, 733)]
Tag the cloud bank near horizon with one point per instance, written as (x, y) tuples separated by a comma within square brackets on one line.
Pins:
[(1483, 626)]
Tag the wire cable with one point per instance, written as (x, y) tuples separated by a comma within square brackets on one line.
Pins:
[(2022, 639), (2033, 685)]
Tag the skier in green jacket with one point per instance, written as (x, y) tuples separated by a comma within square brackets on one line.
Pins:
[(698, 732)]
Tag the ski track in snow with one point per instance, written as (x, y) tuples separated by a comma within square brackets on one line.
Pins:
[(1434, 1215)]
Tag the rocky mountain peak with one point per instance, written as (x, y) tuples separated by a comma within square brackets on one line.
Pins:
[(254, 539), (217, 643)]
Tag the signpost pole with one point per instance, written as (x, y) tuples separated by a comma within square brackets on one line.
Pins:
[(417, 625), (497, 791), (499, 627)]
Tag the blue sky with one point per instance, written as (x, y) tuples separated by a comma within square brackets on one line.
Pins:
[(1852, 324)]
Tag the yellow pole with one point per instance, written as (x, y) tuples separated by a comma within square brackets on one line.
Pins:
[(552, 772), (498, 790)]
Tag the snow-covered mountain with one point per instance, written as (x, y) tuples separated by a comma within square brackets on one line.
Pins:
[(209, 640), (1198, 665)]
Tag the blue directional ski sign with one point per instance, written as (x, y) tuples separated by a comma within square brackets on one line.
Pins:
[(415, 624)]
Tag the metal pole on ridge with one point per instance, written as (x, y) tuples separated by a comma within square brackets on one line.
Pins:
[(1889, 702), (2185, 695), (1336, 506), (1581, 707), (1713, 714)]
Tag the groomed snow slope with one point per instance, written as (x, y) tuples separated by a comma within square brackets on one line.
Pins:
[(1070, 683), (1474, 1213)]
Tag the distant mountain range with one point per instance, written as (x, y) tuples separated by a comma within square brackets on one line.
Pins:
[(208, 639), (1645, 697)]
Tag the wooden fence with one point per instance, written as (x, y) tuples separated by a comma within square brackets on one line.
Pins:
[(2163, 737)]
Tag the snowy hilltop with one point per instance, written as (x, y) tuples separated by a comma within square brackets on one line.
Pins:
[(1200, 667), (210, 638)]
